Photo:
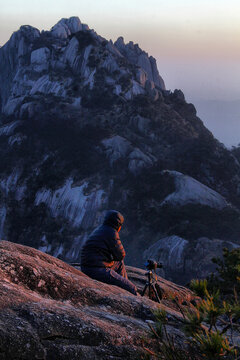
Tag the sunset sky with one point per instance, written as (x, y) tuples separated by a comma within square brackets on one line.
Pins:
[(196, 42)]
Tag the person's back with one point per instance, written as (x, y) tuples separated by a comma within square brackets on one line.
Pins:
[(103, 253), (100, 248)]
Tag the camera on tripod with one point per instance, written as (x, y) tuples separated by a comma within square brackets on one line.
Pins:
[(153, 265), (153, 288)]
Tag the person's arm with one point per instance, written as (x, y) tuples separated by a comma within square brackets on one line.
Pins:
[(116, 247)]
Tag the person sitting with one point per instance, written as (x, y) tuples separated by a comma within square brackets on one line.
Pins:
[(103, 253)]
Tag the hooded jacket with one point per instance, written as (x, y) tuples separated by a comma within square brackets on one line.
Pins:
[(104, 246)]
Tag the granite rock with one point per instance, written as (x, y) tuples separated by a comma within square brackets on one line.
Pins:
[(50, 310)]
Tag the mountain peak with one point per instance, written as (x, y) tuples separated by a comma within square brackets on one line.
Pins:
[(69, 47), (66, 27)]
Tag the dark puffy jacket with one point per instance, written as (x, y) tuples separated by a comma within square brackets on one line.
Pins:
[(104, 246)]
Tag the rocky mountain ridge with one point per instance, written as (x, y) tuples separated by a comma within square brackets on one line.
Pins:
[(31, 61), (88, 125)]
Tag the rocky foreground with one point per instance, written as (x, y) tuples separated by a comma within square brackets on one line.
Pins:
[(51, 310)]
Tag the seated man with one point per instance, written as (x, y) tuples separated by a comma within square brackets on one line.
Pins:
[(102, 254)]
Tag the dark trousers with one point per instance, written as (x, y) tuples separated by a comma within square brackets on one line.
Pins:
[(116, 275)]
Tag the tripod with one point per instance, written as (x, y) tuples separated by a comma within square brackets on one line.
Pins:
[(151, 285)]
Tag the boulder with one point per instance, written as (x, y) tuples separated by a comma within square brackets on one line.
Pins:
[(191, 191), (138, 160), (137, 56), (170, 251), (66, 27), (144, 62), (141, 76), (110, 64), (40, 56), (28, 32), (74, 24), (136, 88), (71, 51), (113, 49), (116, 147), (73, 202), (183, 259), (50, 310), (45, 86)]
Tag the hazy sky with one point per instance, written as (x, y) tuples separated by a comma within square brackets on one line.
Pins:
[(196, 42)]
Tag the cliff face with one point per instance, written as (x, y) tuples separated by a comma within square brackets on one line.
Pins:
[(49, 63), (87, 125), (50, 310)]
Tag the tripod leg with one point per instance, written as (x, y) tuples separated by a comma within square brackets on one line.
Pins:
[(144, 290), (159, 291), (156, 293)]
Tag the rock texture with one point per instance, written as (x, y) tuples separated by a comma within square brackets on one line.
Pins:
[(50, 310), (184, 260), (136, 56), (29, 54), (190, 191), (87, 125)]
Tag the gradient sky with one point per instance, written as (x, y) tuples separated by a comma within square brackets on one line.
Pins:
[(196, 42)]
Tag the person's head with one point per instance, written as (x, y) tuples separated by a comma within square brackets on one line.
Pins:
[(114, 219)]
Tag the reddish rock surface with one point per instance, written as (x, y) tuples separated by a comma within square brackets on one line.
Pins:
[(51, 310)]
